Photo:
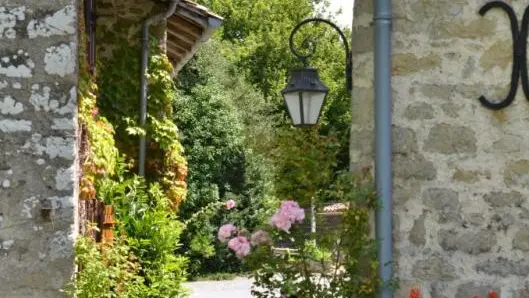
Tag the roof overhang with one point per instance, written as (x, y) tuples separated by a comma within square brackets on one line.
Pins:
[(187, 29)]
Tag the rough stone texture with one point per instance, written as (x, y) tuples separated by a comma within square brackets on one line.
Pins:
[(517, 173), (471, 242), (504, 199), (404, 141), (414, 166), (521, 240), (461, 171), (409, 63), (469, 176), (504, 267), (111, 30), (419, 111), (434, 268), (38, 206), (444, 202), (418, 232), (451, 139), (474, 289)]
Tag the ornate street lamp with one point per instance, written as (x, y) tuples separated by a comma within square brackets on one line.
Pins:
[(305, 94)]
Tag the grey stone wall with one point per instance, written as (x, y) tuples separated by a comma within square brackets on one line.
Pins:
[(461, 172), (38, 61)]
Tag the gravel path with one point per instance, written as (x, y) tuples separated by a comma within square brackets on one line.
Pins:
[(236, 288)]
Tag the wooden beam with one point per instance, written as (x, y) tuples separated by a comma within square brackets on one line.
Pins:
[(183, 33), (181, 40), (182, 24), (172, 53), (177, 47)]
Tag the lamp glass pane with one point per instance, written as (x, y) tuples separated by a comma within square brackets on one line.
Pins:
[(312, 103), (292, 102)]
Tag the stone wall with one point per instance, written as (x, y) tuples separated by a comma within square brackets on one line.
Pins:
[(38, 61), (122, 20), (461, 171)]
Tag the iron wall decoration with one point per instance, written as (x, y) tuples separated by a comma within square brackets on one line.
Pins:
[(519, 46)]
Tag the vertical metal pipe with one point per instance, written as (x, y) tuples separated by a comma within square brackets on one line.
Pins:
[(383, 144), (143, 79)]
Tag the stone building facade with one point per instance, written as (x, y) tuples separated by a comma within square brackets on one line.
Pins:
[(461, 171), (38, 77), (40, 214)]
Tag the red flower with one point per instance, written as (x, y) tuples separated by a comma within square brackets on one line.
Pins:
[(415, 293), (493, 294)]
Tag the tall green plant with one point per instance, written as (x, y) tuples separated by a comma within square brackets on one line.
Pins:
[(152, 232), (222, 163)]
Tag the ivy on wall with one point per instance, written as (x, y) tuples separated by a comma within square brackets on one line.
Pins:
[(119, 103), (141, 261)]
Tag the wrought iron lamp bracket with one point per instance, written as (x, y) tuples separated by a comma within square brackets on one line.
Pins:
[(307, 43), (519, 66)]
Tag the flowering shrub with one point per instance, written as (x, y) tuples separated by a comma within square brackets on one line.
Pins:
[(230, 204), (340, 263), (226, 231), (289, 213)]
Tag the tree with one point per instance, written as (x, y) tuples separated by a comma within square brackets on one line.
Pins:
[(221, 164)]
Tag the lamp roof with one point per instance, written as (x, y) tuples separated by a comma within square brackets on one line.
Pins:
[(305, 79)]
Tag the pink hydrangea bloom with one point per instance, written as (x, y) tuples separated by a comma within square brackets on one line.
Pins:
[(260, 237), (240, 246), (225, 232), (292, 210), (288, 213), (281, 221), (230, 204)]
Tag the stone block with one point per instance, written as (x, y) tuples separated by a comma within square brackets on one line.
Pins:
[(504, 199), (419, 111), (471, 242), (404, 140), (517, 173), (451, 139), (443, 201), (521, 240), (418, 232), (434, 268), (408, 63), (414, 166), (503, 267)]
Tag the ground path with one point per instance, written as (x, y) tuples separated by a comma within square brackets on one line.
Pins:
[(236, 288)]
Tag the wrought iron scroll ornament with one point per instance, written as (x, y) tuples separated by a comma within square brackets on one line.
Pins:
[(519, 46), (312, 47)]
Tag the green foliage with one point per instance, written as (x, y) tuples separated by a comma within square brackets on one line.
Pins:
[(143, 262), (106, 271), (222, 165), (255, 45), (152, 232), (305, 161)]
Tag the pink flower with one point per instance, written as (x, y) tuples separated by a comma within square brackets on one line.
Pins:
[(292, 210), (230, 204), (281, 221), (288, 213), (226, 231), (260, 237), (240, 246)]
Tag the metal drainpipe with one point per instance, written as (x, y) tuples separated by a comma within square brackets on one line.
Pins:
[(383, 148), (143, 80)]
